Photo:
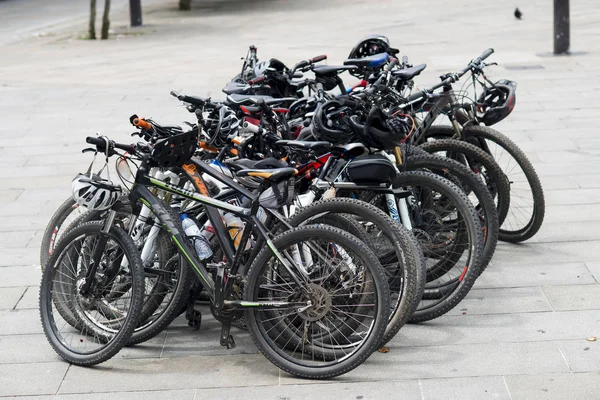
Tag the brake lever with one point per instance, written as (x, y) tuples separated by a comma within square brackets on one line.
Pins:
[(89, 150)]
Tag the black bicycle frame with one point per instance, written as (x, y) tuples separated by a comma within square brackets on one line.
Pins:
[(219, 289)]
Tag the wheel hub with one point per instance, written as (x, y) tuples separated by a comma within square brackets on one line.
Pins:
[(320, 303)]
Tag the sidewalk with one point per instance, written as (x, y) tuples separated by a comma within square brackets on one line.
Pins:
[(520, 334)]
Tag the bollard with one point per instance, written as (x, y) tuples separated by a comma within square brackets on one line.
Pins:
[(135, 12), (561, 27)]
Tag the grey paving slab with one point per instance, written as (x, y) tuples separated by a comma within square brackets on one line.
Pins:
[(554, 386), (24, 275), (21, 257), (29, 348), (456, 361), (31, 379), (325, 391), (30, 299), (517, 274), (549, 253), (582, 355), (465, 388), (18, 239), (500, 328), (145, 395), (502, 301), (594, 268), (565, 197), (172, 373), (10, 296), (579, 297), (183, 341), (20, 322)]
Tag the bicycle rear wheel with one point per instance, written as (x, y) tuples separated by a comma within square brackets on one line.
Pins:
[(349, 308), (107, 313)]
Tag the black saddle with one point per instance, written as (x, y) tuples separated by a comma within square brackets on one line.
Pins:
[(304, 144), (407, 74), (243, 99), (246, 163), (331, 70), (234, 87), (271, 174)]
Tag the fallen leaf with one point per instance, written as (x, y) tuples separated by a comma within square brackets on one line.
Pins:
[(384, 350), (591, 339)]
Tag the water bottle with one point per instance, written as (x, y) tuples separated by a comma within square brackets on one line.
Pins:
[(235, 226), (195, 235)]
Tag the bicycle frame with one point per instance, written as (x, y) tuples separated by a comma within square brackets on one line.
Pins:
[(219, 289)]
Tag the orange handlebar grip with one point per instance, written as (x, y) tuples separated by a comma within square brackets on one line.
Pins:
[(140, 123)]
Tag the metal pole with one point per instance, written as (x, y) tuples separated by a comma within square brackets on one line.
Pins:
[(561, 27), (135, 11)]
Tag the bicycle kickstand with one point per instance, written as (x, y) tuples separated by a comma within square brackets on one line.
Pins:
[(226, 338)]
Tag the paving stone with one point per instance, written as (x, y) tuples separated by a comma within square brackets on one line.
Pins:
[(465, 388), (502, 301), (183, 341), (20, 322), (582, 355), (511, 274), (28, 348), (31, 379), (10, 296), (594, 268), (172, 373), (324, 391), (500, 328), (30, 299), (579, 297), (15, 239), (20, 276), (145, 395), (457, 361), (21, 257), (554, 386)]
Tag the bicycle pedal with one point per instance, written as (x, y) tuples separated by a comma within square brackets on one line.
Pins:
[(194, 318)]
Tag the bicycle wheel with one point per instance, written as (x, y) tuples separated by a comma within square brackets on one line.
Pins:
[(527, 204), (477, 193), (481, 163), (344, 282), (66, 213), (449, 231), (107, 314), (397, 250)]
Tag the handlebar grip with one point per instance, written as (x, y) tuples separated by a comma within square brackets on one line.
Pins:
[(265, 108), (486, 54), (250, 127), (140, 123), (96, 141), (174, 94), (318, 58), (254, 81), (393, 63)]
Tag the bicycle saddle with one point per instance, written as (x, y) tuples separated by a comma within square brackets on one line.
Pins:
[(374, 61), (408, 73), (304, 144), (271, 174), (331, 70)]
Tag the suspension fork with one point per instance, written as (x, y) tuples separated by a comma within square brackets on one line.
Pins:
[(98, 251)]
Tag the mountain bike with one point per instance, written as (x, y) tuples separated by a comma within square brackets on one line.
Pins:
[(305, 280)]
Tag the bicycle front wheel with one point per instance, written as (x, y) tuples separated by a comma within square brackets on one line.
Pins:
[(349, 302), (105, 314)]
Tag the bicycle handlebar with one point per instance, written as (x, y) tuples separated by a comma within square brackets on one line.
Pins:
[(141, 123), (254, 81), (101, 144), (318, 58)]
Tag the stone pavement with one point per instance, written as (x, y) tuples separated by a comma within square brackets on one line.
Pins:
[(520, 334)]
